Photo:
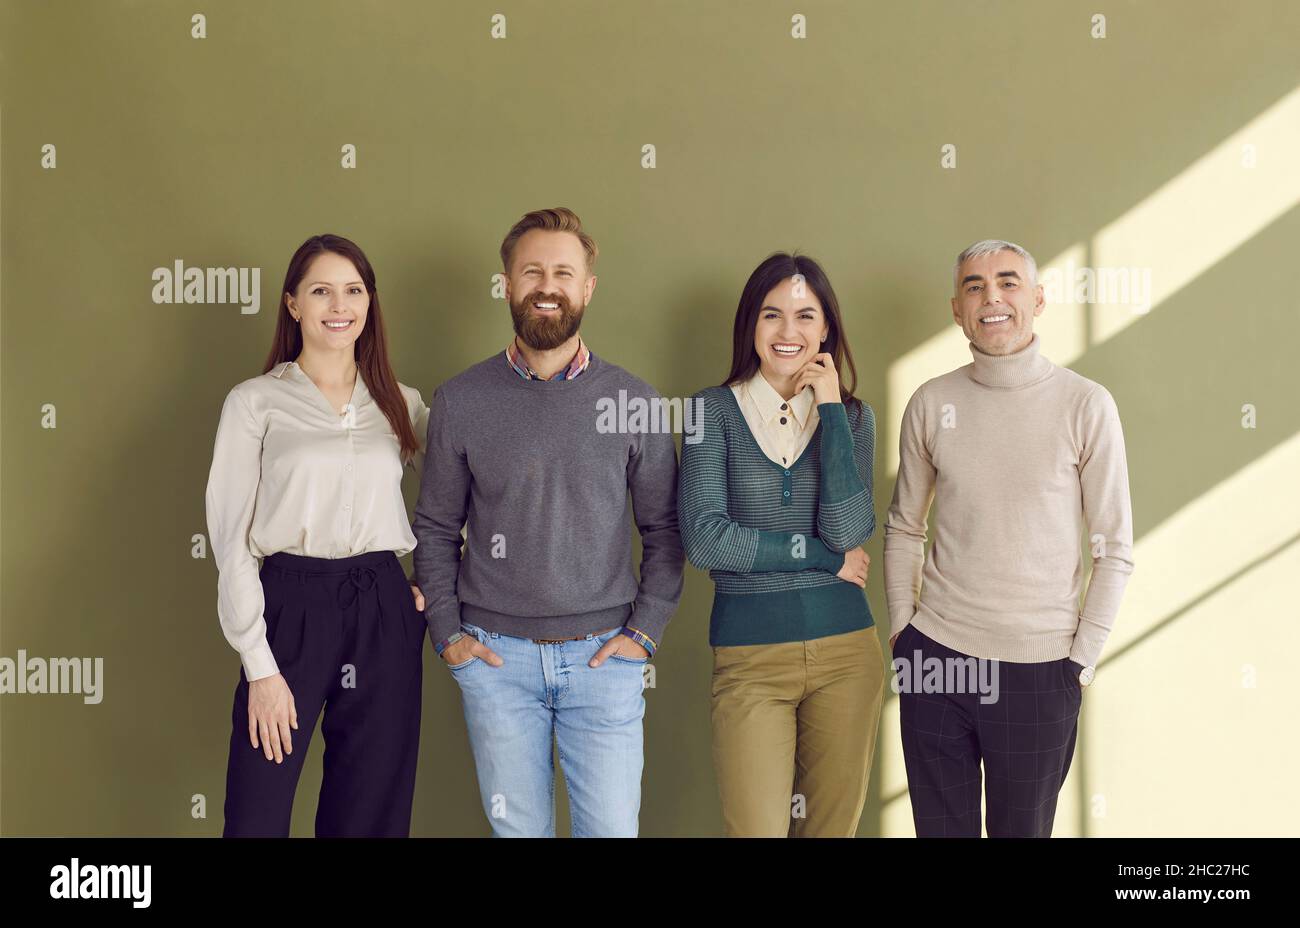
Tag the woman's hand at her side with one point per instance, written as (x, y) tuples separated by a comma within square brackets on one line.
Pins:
[(271, 713), (419, 597), (856, 563)]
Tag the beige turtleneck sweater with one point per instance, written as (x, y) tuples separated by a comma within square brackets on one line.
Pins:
[(1019, 456)]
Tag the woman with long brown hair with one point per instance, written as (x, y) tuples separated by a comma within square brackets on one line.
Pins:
[(775, 502), (306, 475)]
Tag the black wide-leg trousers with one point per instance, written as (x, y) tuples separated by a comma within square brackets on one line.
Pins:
[(349, 641)]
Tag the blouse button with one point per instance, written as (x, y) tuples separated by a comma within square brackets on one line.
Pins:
[(783, 420), (783, 406)]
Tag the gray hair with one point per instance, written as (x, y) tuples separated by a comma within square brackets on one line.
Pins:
[(992, 246)]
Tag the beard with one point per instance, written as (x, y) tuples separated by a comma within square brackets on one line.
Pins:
[(542, 333)]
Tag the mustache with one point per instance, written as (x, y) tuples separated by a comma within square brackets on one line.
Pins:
[(565, 308)]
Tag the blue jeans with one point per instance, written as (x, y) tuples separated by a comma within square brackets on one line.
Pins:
[(594, 714)]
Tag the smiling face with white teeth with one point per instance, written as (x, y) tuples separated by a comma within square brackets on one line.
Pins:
[(331, 304), (996, 302), (548, 287), (789, 331)]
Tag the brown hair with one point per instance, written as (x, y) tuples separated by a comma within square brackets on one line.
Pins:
[(774, 269), (559, 219), (371, 346)]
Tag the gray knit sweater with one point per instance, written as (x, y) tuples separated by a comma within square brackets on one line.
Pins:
[(543, 495)]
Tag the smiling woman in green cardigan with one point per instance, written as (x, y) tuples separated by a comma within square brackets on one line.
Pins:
[(775, 502)]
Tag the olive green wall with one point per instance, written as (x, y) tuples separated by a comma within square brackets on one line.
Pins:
[(225, 151)]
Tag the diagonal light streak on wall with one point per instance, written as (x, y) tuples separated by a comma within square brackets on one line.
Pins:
[(1177, 233)]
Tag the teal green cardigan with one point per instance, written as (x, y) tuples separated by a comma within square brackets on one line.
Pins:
[(773, 537)]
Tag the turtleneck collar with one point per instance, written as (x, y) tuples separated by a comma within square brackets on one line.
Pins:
[(1024, 367)]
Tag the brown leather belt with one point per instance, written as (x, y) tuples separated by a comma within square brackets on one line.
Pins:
[(558, 640)]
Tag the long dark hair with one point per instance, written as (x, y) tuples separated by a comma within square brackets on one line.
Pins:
[(774, 269), (371, 346)]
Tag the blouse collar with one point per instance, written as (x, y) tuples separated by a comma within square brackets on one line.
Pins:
[(770, 404)]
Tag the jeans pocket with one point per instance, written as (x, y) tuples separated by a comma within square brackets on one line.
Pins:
[(611, 636), (462, 664), (605, 638), (471, 631)]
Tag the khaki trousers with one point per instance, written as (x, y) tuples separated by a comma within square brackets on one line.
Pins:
[(794, 731)]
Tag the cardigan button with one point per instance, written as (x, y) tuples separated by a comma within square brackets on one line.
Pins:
[(786, 493)]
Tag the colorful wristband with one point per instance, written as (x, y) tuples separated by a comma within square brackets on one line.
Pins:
[(448, 641), (640, 638)]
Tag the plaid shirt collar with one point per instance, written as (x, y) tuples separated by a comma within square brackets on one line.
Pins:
[(576, 366)]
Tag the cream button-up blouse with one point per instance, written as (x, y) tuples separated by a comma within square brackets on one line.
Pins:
[(781, 428), (289, 473)]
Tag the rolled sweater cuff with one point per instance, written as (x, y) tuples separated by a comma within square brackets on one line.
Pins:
[(651, 622), (442, 623)]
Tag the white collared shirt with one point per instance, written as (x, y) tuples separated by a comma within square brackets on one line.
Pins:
[(782, 429), (289, 473)]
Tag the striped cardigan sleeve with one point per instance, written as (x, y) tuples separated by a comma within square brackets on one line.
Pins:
[(846, 515), (713, 541)]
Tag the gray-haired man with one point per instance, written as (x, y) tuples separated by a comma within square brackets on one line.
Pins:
[(1018, 456)]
